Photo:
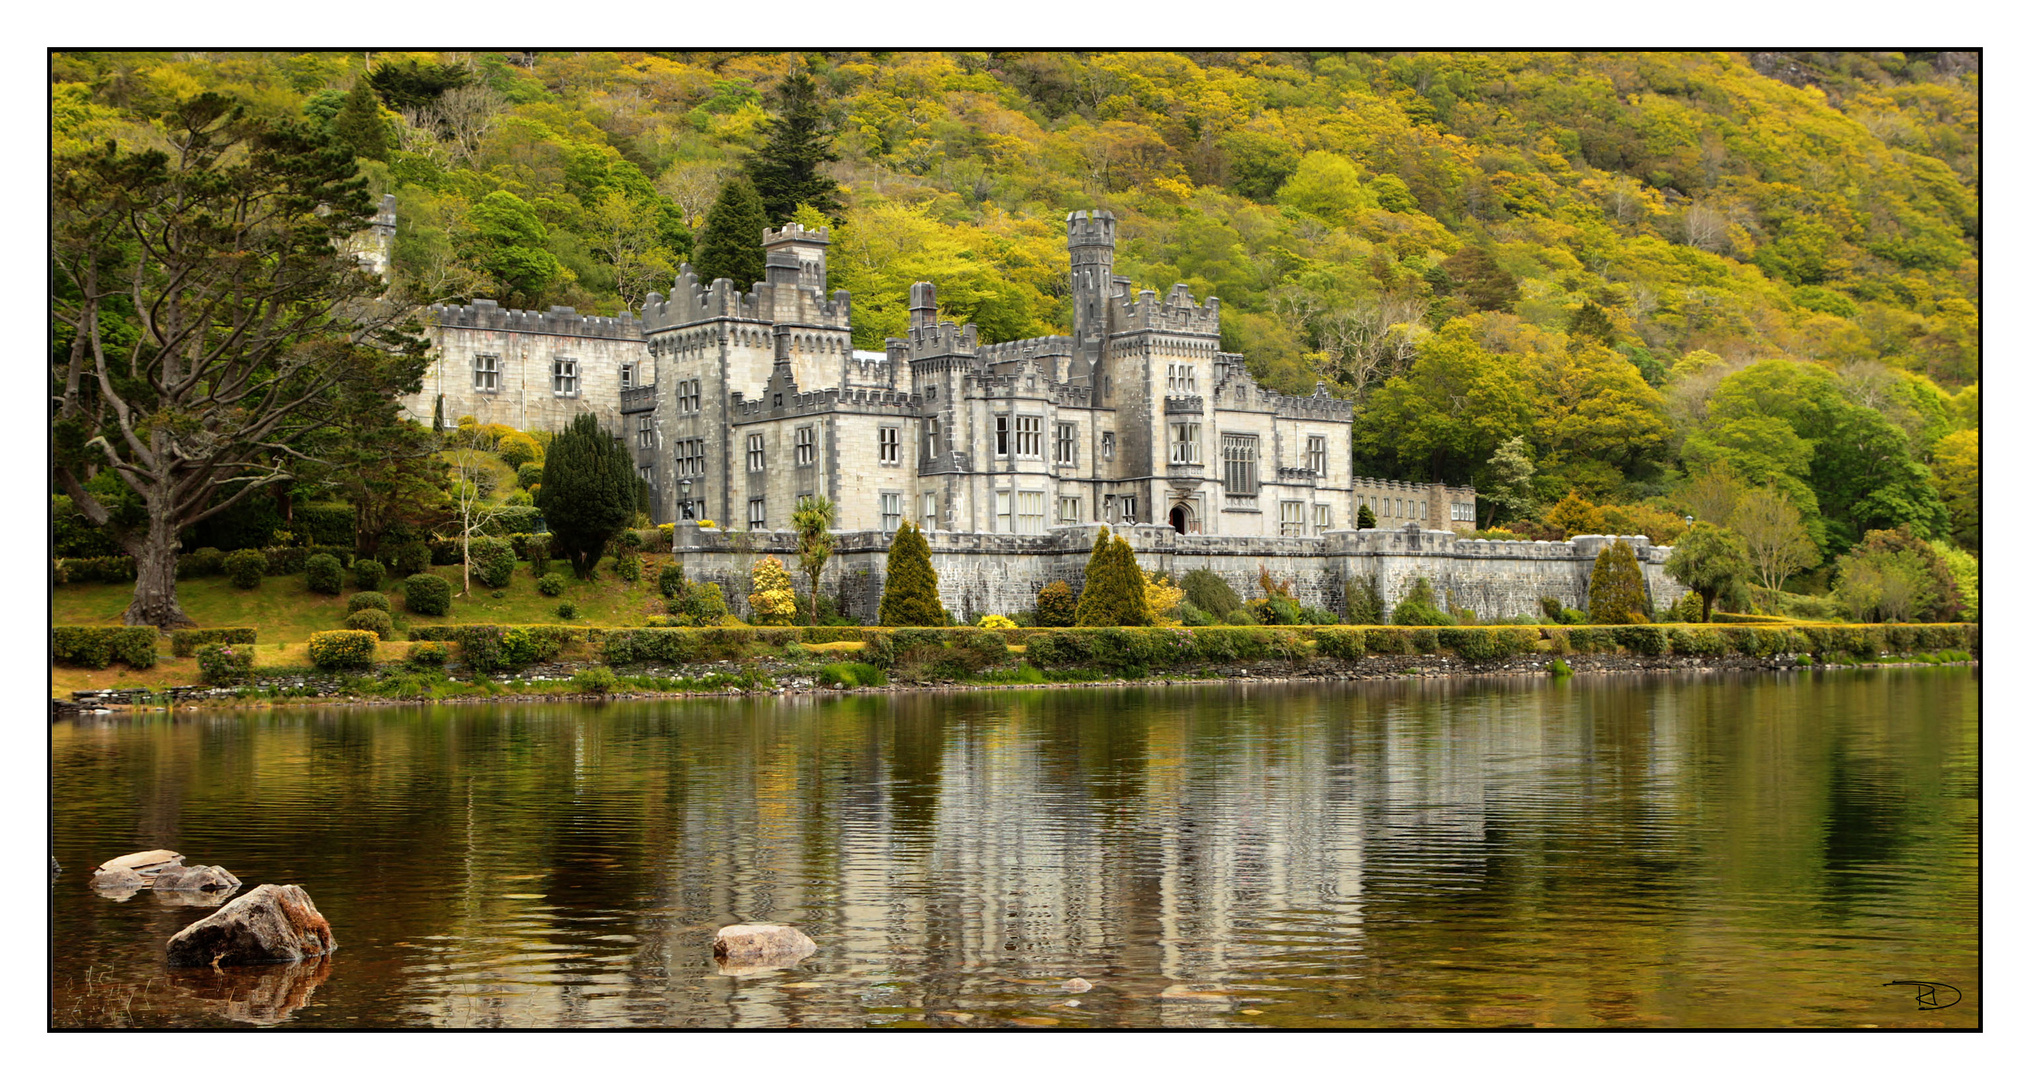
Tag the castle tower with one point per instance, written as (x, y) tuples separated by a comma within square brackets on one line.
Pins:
[(1091, 239), (806, 247)]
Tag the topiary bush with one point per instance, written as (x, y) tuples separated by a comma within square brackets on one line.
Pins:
[(409, 558), (1614, 594), (1209, 593), (1056, 605), (550, 584), (335, 649), (324, 574), (225, 665), (427, 654), (493, 561), (245, 568), (996, 622), (909, 589), (368, 574), (374, 620), (360, 601), (426, 594), (1115, 592)]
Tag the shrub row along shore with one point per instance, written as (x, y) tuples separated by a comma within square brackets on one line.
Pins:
[(492, 661)]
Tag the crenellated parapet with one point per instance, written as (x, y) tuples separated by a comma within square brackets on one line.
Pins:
[(691, 301), (1319, 405), (558, 321), (1175, 313), (857, 399)]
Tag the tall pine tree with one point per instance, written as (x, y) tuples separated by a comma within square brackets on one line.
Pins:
[(729, 245), (587, 493), (788, 170), (359, 123), (909, 595)]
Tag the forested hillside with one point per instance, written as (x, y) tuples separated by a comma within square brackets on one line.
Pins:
[(1658, 282)]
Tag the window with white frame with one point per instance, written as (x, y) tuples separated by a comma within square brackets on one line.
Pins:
[(1067, 509), (687, 395), (645, 431), (1067, 444), (891, 447), (1183, 379), (1029, 511), (486, 373), (1001, 436), (1003, 511), (757, 513), (1314, 455), (806, 447), (891, 511), (627, 376), (1029, 436), (1293, 519), (1321, 517), (929, 439), (926, 513), (1238, 455), (564, 378), (690, 457), (1106, 446), (1128, 508), (1183, 443), (756, 456)]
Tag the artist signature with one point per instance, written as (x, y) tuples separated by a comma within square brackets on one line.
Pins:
[(1931, 995)]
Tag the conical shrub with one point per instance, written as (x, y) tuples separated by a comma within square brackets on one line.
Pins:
[(1615, 594), (909, 594), (1113, 594)]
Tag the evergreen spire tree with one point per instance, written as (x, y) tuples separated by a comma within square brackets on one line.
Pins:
[(359, 122), (1615, 594), (909, 595), (1113, 594), (729, 244), (587, 492), (787, 171)]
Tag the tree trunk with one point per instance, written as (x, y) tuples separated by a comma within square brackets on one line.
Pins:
[(155, 578)]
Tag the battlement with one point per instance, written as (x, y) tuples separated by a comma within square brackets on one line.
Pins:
[(559, 321), (944, 339), (1318, 406), (1090, 228), (795, 233), (691, 301), (1027, 348), (858, 399), (637, 399), (1176, 312)]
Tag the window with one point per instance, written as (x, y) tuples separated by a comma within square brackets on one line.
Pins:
[(891, 511), (1107, 445), (1183, 379), (1293, 518), (627, 376), (1002, 503), (687, 395), (486, 373), (929, 439), (1001, 436), (645, 431), (1183, 443), (1067, 509), (1127, 508), (927, 513), (1314, 455), (756, 458), (891, 449), (757, 513), (1029, 436), (1067, 444), (1029, 511), (564, 378), (648, 475), (1321, 517), (1238, 456), (806, 447), (690, 457)]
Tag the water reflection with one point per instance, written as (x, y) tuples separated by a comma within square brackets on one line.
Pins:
[(1684, 851)]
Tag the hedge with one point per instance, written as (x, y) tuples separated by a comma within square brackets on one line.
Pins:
[(96, 646), (343, 648), (490, 647), (187, 642), (104, 569), (246, 567), (284, 561)]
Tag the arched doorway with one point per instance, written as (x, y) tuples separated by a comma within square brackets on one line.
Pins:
[(1178, 518)]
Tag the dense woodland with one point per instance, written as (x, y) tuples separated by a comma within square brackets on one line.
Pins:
[(1610, 290)]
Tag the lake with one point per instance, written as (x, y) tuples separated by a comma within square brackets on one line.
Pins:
[(1683, 850)]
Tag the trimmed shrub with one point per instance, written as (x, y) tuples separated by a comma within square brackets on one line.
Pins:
[(1388, 641), (97, 646), (1056, 605), (334, 649), (379, 622), (551, 584), (1591, 639), (909, 589), (106, 569), (324, 574), (1341, 643), (1114, 592), (490, 648), (996, 622), (284, 561), (225, 665), (360, 601), (204, 562), (1208, 592), (493, 561), (518, 452), (428, 654), (187, 642), (773, 600), (1696, 641), (426, 594), (1060, 649), (1424, 641), (1614, 594), (567, 610), (409, 558), (245, 568), (368, 574)]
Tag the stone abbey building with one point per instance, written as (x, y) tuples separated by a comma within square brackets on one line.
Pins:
[(740, 403), (1010, 456)]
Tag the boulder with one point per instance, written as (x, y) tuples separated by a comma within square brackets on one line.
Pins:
[(118, 884), (192, 898), (195, 879), (760, 945), (273, 924), (144, 863)]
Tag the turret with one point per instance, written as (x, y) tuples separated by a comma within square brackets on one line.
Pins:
[(805, 249), (1091, 239)]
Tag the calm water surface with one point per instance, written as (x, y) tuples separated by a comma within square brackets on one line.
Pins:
[(1683, 851)]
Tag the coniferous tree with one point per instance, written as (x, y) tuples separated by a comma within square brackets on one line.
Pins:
[(1114, 590), (729, 245), (587, 493), (788, 171), (1615, 594), (1365, 519), (359, 123), (909, 595)]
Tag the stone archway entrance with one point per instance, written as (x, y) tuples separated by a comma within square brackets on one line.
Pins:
[(1182, 518)]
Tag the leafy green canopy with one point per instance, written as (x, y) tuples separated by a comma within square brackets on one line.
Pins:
[(1710, 560)]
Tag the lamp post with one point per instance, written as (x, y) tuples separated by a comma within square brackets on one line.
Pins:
[(685, 486)]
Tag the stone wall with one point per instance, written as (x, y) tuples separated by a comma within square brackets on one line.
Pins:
[(987, 573)]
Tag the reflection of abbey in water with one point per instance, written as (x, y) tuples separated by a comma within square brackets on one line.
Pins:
[(739, 403)]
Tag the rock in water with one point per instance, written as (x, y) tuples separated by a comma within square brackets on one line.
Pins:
[(752, 943), (195, 879), (144, 863), (273, 924), (118, 884), (1077, 986)]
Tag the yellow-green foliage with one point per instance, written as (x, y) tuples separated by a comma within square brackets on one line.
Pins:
[(331, 649), (773, 599), (996, 622)]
